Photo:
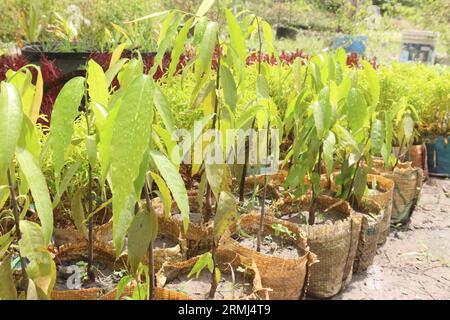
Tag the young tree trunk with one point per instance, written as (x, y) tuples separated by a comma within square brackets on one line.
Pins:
[(15, 206), (212, 291), (208, 198), (90, 252), (313, 208), (263, 201), (151, 259), (244, 169)]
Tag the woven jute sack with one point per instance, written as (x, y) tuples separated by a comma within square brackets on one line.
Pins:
[(371, 217), (378, 167), (199, 236), (275, 183), (225, 260), (407, 187), (166, 226), (335, 245), (76, 251), (177, 253), (288, 278), (66, 236), (161, 294), (384, 198)]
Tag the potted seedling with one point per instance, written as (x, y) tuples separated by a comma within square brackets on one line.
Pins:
[(317, 131), (25, 242), (66, 110)]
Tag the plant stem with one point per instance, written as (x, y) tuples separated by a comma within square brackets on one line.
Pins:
[(263, 201), (313, 208), (151, 259), (208, 197), (244, 169), (357, 167), (90, 252), (90, 229), (399, 151), (15, 206), (260, 46), (212, 291)]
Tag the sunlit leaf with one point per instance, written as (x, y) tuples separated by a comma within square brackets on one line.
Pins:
[(11, 116), (176, 185), (143, 229), (77, 212), (65, 110), (39, 191), (131, 133), (225, 213)]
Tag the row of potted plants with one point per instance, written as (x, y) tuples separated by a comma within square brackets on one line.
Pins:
[(303, 229)]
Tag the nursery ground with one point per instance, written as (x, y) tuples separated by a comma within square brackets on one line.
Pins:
[(414, 263)]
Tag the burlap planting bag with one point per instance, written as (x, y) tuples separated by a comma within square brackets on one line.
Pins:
[(407, 186), (288, 278), (166, 226), (176, 253), (161, 294), (199, 236), (227, 261), (274, 183), (384, 198), (334, 243), (372, 215), (77, 251), (335, 246)]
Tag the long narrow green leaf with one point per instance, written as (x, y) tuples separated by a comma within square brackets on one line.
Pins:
[(237, 38), (174, 182), (356, 110), (164, 110), (77, 212), (178, 47), (11, 116), (229, 87), (373, 81), (39, 191), (70, 172), (226, 211), (143, 229), (165, 42), (204, 7), (323, 113), (114, 70), (117, 53), (130, 139), (377, 136), (64, 113), (206, 50), (164, 191), (97, 83), (268, 39), (38, 94)]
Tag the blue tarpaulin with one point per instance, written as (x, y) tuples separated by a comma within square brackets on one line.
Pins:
[(438, 153), (350, 43)]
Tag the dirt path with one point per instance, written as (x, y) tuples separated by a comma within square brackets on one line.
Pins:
[(414, 263)]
